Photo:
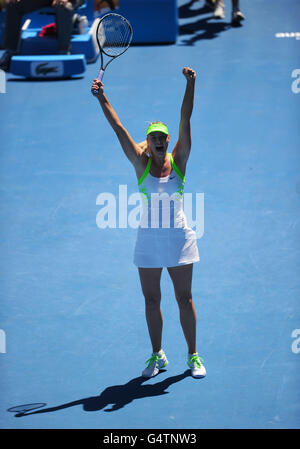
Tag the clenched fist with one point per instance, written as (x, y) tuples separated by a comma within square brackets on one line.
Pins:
[(189, 74)]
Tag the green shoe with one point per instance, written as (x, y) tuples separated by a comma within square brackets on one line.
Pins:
[(157, 361), (196, 364)]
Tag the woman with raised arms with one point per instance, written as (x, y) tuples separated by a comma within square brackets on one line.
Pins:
[(171, 244)]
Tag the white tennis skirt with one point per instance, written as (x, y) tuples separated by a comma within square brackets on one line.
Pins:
[(165, 247)]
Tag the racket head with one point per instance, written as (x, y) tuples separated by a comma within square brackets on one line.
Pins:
[(114, 34), (26, 407)]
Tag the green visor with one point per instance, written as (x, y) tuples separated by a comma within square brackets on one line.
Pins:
[(157, 127)]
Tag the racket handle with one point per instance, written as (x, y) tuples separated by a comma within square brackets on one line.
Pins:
[(99, 78), (100, 75)]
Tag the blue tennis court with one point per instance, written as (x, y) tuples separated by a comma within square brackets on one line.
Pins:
[(74, 339)]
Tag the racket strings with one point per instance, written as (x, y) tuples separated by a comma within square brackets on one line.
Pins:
[(114, 36)]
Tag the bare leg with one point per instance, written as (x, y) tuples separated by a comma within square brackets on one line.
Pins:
[(150, 282), (182, 281), (64, 14), (235, 5)]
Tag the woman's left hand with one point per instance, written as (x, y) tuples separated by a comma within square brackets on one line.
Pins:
[(189, 74)]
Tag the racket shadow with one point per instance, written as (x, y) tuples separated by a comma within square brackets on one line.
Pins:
[(117, 396)]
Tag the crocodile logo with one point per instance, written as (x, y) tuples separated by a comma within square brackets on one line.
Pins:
[(44, 69)]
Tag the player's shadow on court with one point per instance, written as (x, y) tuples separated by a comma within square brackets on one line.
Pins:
[(116, 396), (204, 28)]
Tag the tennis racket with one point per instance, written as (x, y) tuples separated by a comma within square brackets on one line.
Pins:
[(114, 35)]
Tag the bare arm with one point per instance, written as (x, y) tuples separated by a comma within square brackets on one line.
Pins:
[(130, 148), (183, 146)]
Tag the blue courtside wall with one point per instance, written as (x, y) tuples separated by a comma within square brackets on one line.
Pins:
[(153, 21)]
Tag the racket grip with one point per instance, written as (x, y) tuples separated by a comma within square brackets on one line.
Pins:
[(100, 75), (99, 78)]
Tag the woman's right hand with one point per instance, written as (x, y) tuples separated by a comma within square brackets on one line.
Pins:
[(97, 88)]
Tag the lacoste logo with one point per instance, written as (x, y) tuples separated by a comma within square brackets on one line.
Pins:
[(42, 69)]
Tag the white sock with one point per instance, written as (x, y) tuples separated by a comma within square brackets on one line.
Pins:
[(159, 353)]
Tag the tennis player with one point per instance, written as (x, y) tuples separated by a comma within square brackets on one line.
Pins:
[(162, 243)]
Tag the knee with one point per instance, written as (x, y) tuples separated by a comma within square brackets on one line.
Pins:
[(184, 299), (14, 7), (152, 301), (65, 8)]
